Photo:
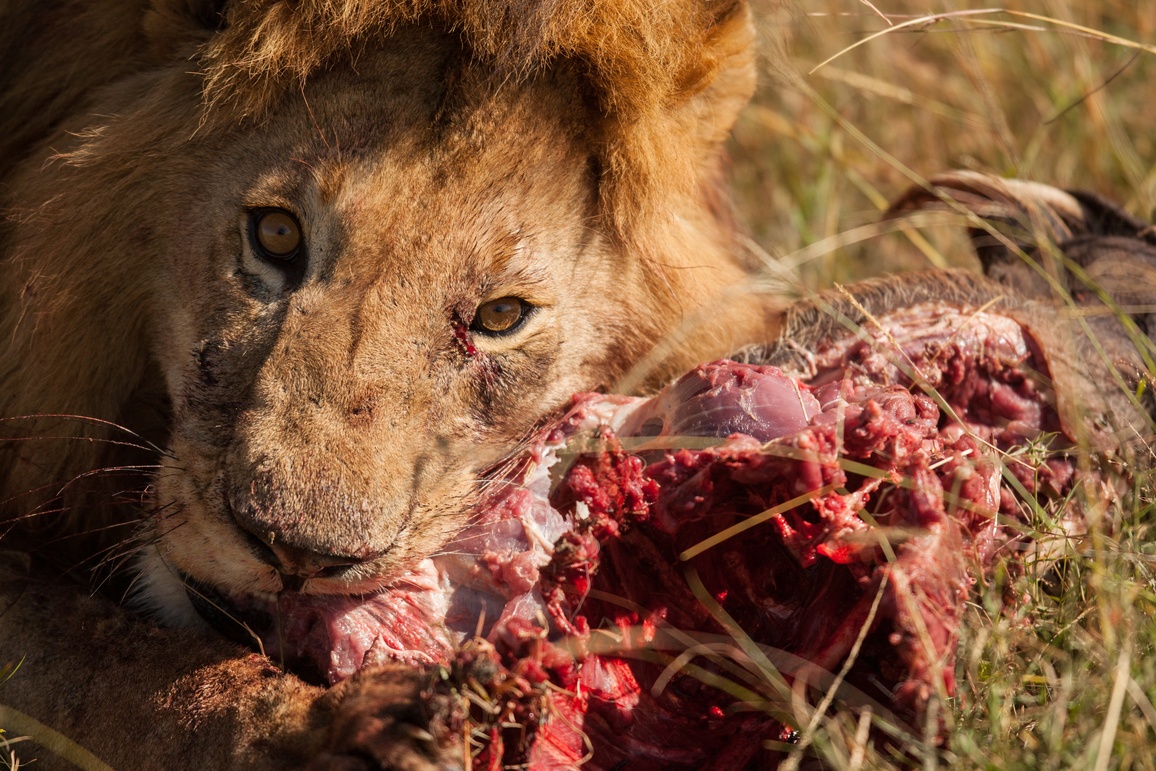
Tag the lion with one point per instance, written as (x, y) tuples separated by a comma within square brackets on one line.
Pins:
[(281, 280)]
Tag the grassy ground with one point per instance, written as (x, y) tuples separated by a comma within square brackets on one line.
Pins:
[(1066, 677), (821, 152)]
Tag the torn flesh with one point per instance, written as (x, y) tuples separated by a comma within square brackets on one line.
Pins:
[(486, 575), (747, 529), (655, 575)]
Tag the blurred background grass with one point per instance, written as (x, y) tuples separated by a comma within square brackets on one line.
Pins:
[(994, 92), (1051, 674)]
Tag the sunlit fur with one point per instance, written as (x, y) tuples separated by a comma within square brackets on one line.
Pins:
[(438, 155)]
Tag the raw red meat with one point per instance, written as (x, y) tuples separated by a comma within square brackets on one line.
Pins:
[(860, 503), (655, 580)]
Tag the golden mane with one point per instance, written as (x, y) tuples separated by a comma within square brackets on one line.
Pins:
[(660, 87), (643, 64), (638, 56)]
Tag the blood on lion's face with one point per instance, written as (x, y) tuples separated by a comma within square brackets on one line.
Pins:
[(394, 299), (347, 295)]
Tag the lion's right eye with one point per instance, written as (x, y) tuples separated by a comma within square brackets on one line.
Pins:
[(275, 234)]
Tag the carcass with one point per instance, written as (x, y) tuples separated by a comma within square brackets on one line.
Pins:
[(663, 581)]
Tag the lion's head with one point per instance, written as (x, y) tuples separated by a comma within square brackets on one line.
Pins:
[(337, 259)]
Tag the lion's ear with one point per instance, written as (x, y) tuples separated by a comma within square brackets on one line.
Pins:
[(669, 79), (665, 135)]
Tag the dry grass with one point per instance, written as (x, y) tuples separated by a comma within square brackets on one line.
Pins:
[(1065, 677), (996, 93)]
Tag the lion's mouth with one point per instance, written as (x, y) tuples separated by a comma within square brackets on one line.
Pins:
[(485, 577), (328, 637)]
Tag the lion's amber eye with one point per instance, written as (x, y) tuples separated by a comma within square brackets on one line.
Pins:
[(500, 316), (276, 234)]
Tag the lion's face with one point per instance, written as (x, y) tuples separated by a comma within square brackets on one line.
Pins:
[(339, 264), (375, 297)]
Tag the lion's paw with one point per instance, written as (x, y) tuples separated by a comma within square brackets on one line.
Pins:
[(388, 718)]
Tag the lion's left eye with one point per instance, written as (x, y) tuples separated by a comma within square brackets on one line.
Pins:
[(501, 316), (276, 235)]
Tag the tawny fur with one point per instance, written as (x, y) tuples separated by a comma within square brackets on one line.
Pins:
[(438, 155), (87, 301)]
